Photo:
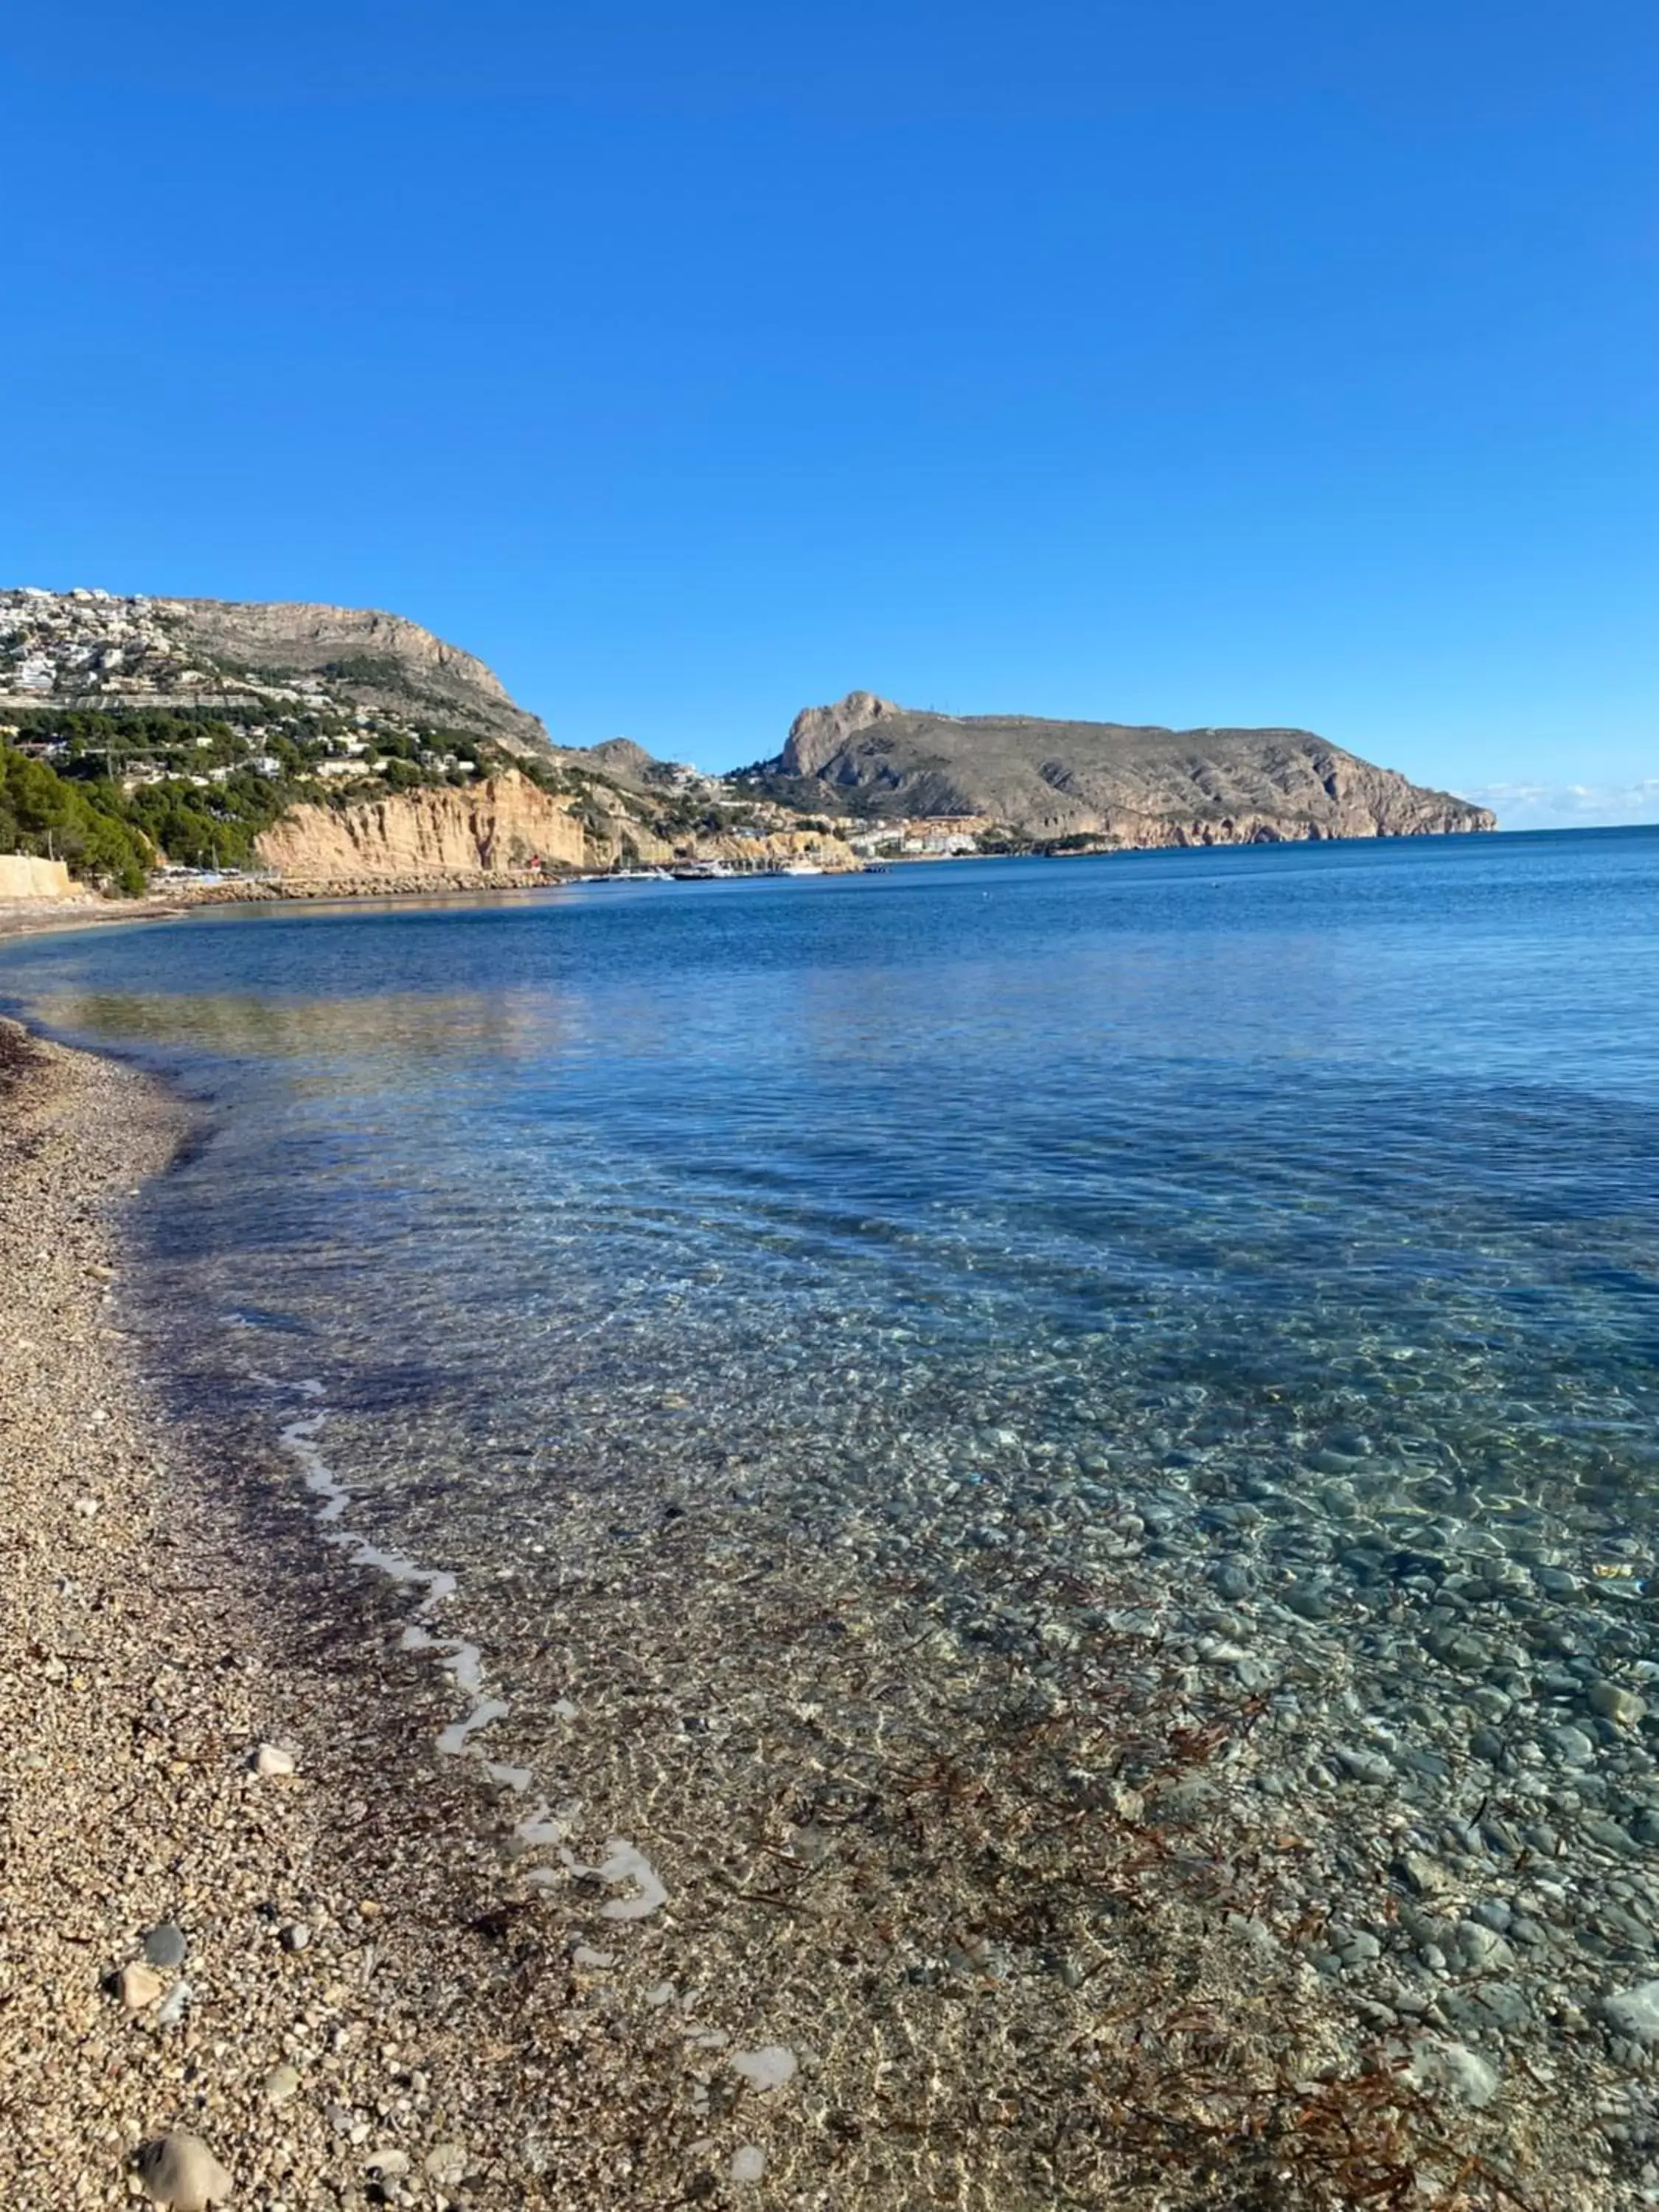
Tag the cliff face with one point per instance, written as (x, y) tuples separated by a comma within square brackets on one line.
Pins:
[(819, 735), (497, 827), (506, 826), (379, 659), (832, 855), (1121, 783)]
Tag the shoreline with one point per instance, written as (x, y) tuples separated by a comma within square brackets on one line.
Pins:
[(42, 917), (350, 1922), (165, 1613)]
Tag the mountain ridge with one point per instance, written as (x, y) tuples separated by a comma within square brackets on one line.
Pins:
[(1111, 782), (372, 656)]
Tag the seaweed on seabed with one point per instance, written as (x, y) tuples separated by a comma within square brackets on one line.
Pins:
[(1190, 2080), (1207, 2145)]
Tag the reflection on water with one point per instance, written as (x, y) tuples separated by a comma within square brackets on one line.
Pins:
[(409, 1026), (877, 1352)]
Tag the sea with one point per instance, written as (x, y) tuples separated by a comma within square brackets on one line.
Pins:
[(886, 1396)]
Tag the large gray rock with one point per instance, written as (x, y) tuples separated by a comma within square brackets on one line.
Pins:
[(179, 2170), (1634, 2013), (1453, 2070)]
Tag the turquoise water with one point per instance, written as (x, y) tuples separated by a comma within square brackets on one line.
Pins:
[(1229, 1111), (1262, 1242)]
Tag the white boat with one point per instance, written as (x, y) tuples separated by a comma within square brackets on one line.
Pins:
[(799, 868), (700, 871)]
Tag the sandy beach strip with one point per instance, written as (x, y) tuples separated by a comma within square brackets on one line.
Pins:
[(343, 2001)]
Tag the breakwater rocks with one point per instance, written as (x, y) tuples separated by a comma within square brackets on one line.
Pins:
[(256, 890)]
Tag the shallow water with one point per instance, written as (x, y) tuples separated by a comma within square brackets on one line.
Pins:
[(824, 1324)]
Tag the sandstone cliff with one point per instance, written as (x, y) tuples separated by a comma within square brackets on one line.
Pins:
[(1112, 782), (506, 826), (501, 826)]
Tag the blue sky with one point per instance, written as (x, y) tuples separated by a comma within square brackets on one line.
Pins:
[(1183, 362)]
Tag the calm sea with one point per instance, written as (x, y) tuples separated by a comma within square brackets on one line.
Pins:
[(698, 1273)]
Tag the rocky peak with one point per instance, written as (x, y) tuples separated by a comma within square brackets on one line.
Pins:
[(818, 733)]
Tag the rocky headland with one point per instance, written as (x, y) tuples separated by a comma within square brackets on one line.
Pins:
[(1113, 783)]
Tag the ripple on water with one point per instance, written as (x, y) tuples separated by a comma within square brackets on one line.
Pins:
[(975, 1497)]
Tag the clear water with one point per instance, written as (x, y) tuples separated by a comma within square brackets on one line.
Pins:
[(984, 1267)]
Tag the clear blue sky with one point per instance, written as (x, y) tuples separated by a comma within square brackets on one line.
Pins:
[(1180, 361)]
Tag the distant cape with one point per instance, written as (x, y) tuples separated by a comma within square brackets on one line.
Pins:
[(1114, 782)]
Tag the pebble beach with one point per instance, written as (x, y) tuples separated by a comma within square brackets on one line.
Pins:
[(236, 1901), (244, 1903), (1251, 1816)]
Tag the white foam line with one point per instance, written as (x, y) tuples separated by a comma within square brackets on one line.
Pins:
[(624, 1867), (461, 1660), (623, 1863)]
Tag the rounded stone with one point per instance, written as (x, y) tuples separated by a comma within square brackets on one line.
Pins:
[(445, 2163), (1633, 2014), (1622, 1707), (1453, 2069), (179, 2170), (280, 2083), (165, 1945)]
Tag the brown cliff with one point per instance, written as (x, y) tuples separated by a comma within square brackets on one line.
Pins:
[(500, 826), (506, 826)]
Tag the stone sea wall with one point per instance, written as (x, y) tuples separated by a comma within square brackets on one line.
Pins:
[(23, 877)]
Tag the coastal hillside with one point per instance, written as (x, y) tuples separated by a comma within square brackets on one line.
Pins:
[(94, 649), (309, 742), (375, 659), (1106, 783)]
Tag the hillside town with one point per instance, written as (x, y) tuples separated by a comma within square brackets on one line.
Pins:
[(95, 684), (177, 763)]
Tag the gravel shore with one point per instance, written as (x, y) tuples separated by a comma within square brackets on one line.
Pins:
[(243, 1894), (314, 1971)]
